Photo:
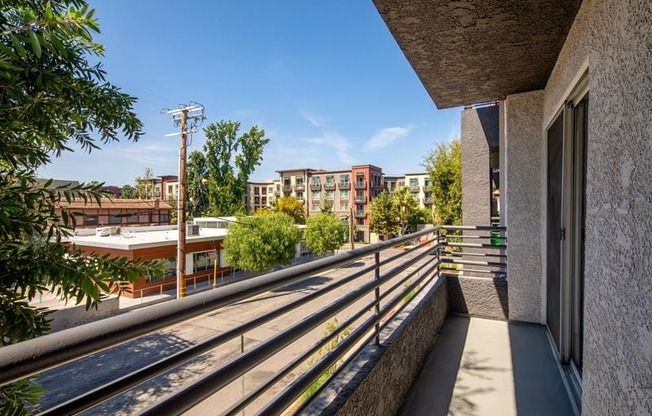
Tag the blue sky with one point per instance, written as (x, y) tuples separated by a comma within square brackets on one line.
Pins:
[(325, 80)]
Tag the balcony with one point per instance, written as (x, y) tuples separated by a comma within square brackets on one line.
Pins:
[(287, 188), (360, 199), (345, 185), (315, 186), (415, 188), (299, 187), (360, 184), (330, 186), (393, 306), (360, 214), (427, 201)]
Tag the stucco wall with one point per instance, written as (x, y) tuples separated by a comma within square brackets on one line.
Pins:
[(479, 132), (78, 315), (618, 291), (524, 159), (478, 296)]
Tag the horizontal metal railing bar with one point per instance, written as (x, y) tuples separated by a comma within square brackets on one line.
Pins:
[(466, 253), (295, 389), (472, 227), (404, 253), (473, 262), (102, 393), (475, 245), (495, 272), (188, 396), (484, 237), (253, 395), (33, 356)]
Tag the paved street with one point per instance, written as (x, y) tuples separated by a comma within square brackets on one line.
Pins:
[(75, 378)]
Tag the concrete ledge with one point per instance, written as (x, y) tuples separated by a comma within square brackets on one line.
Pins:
[(478, 296), (377, 382), (77, 315)]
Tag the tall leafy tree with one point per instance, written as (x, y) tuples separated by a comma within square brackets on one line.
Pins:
[(324, 233), (292, 207), (383, 218), (406, 205), (230, 160), (145, 184), (51, 99), (128, 192), (197, 184), (260, 242), (444, 165)]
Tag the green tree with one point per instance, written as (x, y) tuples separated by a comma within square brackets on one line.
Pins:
[(383, 218), (406, 205), (444, 165), (260, 242), (173, 213), (420, 216), (128, 192), (51, 99), (292, 207), (230, 160), (324, 233), (326, 206), (197, 191), (145, 184)]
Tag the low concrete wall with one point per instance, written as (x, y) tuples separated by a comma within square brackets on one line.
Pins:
[(478, 296), (377, 382), (77, 315)]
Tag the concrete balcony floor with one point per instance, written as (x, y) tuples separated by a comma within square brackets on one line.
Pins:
[(481, 367)]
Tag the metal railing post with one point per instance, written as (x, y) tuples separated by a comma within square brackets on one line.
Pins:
[(377, 293), (438, 251)]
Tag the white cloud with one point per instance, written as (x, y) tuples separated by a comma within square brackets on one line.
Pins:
[(340, 144), (313, 119), (387, 136)]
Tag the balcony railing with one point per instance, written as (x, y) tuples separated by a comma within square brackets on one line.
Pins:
[(345, 185), (299, 187), (360, 214), (329, 186), (382, 290), (360, 184), (315, 186), (360, 199), (414, 188), (287, 188)]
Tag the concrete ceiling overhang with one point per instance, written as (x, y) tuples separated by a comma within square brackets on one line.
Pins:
[(474, 51)]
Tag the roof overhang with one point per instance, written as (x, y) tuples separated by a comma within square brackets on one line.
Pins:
[(475, 51)]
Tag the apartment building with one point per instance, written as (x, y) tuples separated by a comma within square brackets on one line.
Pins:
[(259, 195), (115, 212), (419, 185)]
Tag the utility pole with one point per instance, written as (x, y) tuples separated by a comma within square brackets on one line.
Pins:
[(189, 117)]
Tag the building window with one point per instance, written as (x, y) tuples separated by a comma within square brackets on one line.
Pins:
[(344, 206), (300, 195), (316, 195), (344, 178), (330, 180), (414, 183), (164, 218), (90, 220), (270, 190), (204, 261), (114, 219), (344, 194), (256, 200), (169, 270), (263, 200), (132, 219), (330, 195), (314, 207), (316, 180)]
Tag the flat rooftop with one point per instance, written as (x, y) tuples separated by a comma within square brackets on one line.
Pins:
[(129, 239)]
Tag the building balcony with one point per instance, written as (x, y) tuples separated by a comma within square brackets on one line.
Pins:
[(287, 188), (360, 199), (360, 184), (344, 185), (442, 360), (315, 186), (330, 186), (360, 214), (427, 201), (415, 188), (299, 187)]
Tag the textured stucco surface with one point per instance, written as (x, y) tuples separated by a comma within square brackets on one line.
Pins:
[(377, 382), (478, 296), (479, 134), (77, 315), (470, 51), (618, 274), (524, 156)]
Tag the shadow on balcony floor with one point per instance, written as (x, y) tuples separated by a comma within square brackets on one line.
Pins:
[(483, 367)]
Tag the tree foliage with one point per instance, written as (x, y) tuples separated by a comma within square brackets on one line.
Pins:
[(324, 233), (260, 242), (230, 160), (444, 165), (128, 192), (51, 99), (383, 218), (197, 184), (292, 207), (406, 205), (145, 184)]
